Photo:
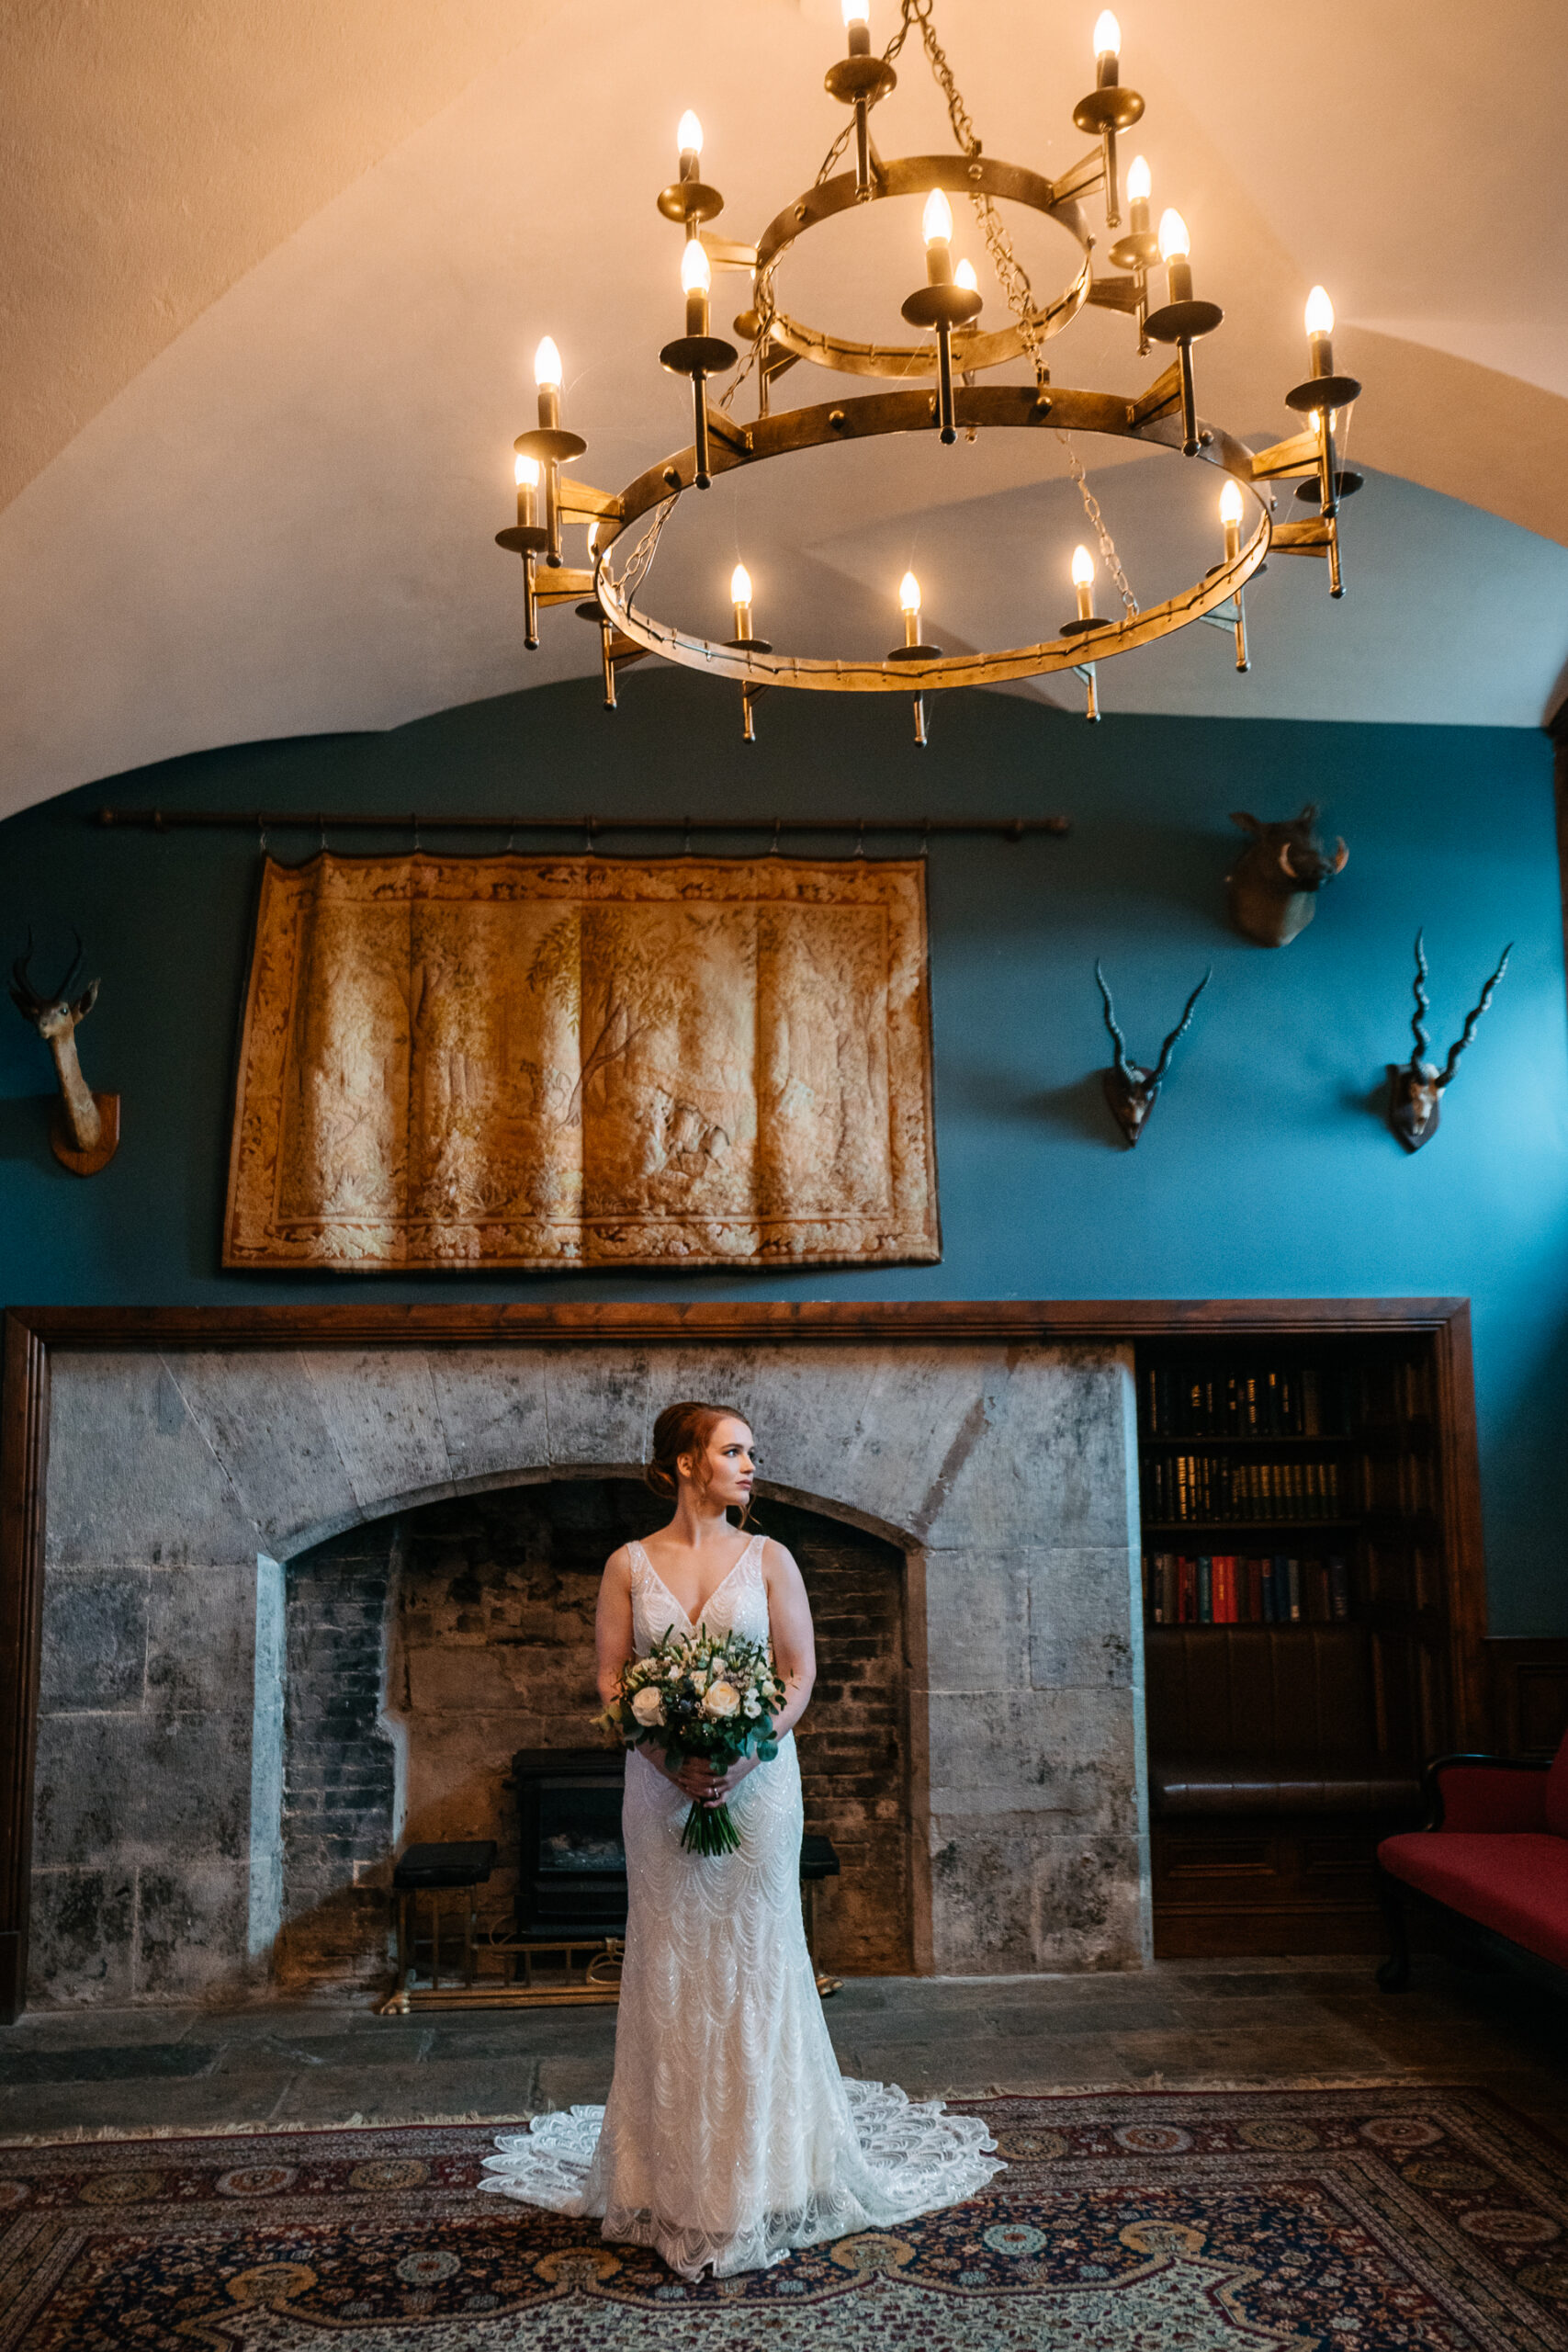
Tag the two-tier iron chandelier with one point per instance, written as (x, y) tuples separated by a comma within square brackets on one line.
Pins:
[(931, 386)]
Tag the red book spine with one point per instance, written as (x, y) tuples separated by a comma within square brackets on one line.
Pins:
[(1255, 1591)]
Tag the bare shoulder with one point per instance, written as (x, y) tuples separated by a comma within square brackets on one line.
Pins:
[(779, 1565), (618, 1566)]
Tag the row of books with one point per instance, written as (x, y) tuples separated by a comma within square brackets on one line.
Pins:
[(1218, 1487), (1226, 1590), (1194, 1400)]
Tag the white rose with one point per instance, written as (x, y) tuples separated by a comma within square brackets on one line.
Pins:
[(649, 1708), (722, 1700)]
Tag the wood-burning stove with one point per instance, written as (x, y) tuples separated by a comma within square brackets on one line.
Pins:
[(571, 1865)]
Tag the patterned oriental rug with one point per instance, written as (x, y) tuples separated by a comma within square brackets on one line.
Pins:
[(1295, 2221)]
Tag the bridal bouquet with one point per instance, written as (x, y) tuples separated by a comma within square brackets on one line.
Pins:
[(708, 1695)]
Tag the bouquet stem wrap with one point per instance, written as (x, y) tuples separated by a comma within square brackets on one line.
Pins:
[(710, 1696)]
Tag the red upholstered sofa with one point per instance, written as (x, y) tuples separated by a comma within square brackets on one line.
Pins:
[(1490, 1870)]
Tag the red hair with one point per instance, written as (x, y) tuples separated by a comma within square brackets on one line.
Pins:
[(683, 1430)]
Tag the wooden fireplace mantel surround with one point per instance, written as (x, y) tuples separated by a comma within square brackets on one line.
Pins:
[(32, 1335)]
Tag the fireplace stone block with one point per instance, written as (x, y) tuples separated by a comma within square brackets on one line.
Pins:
[(95, 1641)]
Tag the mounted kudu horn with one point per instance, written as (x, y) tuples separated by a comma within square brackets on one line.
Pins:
[(85, 1132), (1416, 1087), (1272, 887), (1129, 1089)]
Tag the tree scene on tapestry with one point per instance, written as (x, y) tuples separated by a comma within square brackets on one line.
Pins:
[(523, 1061)]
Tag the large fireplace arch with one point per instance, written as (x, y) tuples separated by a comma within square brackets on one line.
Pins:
[(423, 1651), (191, 1455)]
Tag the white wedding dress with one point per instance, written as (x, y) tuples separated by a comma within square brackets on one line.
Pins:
[(730, 2135)]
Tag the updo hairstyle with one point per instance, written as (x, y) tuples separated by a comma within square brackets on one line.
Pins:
[(683, 1429)]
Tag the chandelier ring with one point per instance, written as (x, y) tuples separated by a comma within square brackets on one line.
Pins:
[(876, 415), (917, 175)]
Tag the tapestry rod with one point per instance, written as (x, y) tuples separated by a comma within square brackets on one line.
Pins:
[(265, 820)]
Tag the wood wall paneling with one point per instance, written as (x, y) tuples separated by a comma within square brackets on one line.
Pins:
[(1528, 1685)]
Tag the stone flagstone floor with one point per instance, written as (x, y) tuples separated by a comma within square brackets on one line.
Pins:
[(1183, 2024)]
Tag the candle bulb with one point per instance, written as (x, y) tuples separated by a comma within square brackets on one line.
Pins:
[(936, 227), (1230, 516), (546, 377), (857, 25), (1083, 581), (909, 605), (1107, 50), (1175, 246), (689, 140), (1320, 331), (1140, 186), (696, 278), (526, 471), (965, 276), (740, 598)]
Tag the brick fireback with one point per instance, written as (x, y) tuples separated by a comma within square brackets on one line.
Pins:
[(423, 1650)]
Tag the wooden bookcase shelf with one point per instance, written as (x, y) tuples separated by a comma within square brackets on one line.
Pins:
[(1330, 1704)]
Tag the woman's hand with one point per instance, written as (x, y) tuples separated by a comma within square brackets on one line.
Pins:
[(695, 1777), (718, 1785)]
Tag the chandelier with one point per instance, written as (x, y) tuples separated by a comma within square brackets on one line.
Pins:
[(933, 386)]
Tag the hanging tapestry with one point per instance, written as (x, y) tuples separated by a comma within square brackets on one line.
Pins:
[(531, 1061)]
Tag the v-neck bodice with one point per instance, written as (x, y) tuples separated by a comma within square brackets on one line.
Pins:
[(737, 1604)]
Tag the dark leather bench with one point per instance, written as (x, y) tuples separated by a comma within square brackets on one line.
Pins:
[(1268, 1719)]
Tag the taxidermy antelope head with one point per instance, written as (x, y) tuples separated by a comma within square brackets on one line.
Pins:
[(87, 1128), (1129, 1089), (1416, 1087), (1273, 886)]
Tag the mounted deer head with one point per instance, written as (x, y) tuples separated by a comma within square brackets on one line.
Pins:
[(85, 1133), (1272, 887), (1129, 1089), (1416, 1087)]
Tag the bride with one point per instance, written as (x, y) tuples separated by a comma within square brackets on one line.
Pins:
[(729, 2135)]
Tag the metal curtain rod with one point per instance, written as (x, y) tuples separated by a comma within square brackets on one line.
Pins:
[(264, 821)]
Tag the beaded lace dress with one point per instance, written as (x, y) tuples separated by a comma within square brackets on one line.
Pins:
[(729, 2135)]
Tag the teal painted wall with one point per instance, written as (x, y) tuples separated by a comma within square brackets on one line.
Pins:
[(1265, 1172)]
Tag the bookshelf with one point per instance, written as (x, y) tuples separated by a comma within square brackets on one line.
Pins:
[(1299, 1627)]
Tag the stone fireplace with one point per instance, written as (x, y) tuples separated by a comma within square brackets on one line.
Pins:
[(300, 1606)]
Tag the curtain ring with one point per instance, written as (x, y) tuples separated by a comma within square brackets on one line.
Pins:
[(588, 836), (860, 840), (323, 822), (926, 838), (511, 836), (418, 844), (686, 840), (260, 833), (774, 849)]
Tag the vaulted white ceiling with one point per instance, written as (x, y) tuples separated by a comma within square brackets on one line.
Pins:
[(276, 270)]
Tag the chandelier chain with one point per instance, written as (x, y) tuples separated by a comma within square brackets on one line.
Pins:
[(1010, 273), (1097, 523), (639, 561)]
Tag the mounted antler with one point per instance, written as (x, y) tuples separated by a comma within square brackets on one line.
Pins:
[(1130, 1090), (84, 1136), (1416, 1087), (1125, 1069)]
